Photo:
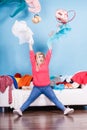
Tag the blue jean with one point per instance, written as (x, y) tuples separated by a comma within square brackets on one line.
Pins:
[(47, 91)]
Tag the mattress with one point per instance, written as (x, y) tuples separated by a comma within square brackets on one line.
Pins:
[(66, 96)]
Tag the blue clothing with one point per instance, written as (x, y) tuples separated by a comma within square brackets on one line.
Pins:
[(14, 81), (64, 29), (48, 92)]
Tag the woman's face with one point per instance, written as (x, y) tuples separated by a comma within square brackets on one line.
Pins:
[(39, 59)]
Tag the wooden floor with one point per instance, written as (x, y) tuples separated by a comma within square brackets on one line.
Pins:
[(44, 120)]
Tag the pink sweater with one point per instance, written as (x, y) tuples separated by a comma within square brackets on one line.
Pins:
[(41, 77)]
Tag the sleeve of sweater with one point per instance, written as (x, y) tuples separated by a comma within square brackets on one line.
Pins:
[(48, 56), (32, 56)]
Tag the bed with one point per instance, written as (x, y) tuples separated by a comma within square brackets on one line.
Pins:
[(66, 96)]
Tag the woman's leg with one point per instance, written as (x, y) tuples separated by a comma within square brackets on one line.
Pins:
[(35, 93), (51, 95)]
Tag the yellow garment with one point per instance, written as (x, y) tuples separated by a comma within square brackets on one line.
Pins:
[(17, 79)]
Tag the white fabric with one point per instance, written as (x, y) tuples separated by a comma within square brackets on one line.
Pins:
[(66, 96), (20, 96), (23, 32)]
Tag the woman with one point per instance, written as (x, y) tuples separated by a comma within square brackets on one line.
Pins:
[(41, 81)]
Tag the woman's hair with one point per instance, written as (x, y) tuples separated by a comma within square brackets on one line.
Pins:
[(39, 53)]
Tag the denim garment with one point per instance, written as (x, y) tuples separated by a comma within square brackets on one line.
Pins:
[(47, 91)]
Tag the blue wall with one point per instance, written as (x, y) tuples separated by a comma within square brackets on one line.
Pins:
[(69, 53)]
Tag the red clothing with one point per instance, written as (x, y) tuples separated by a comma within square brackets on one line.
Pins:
[(6, 81), (80, 77), (40, 77)]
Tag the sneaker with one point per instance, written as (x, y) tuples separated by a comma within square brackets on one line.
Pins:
[(18, 112), (68, 111)]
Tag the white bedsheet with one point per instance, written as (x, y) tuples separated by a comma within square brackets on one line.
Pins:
[(20, 96), (66, 96)]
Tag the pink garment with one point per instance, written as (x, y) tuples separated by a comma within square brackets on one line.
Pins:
[(41, 77), (6, 81), (34, 6), (80, 77)]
